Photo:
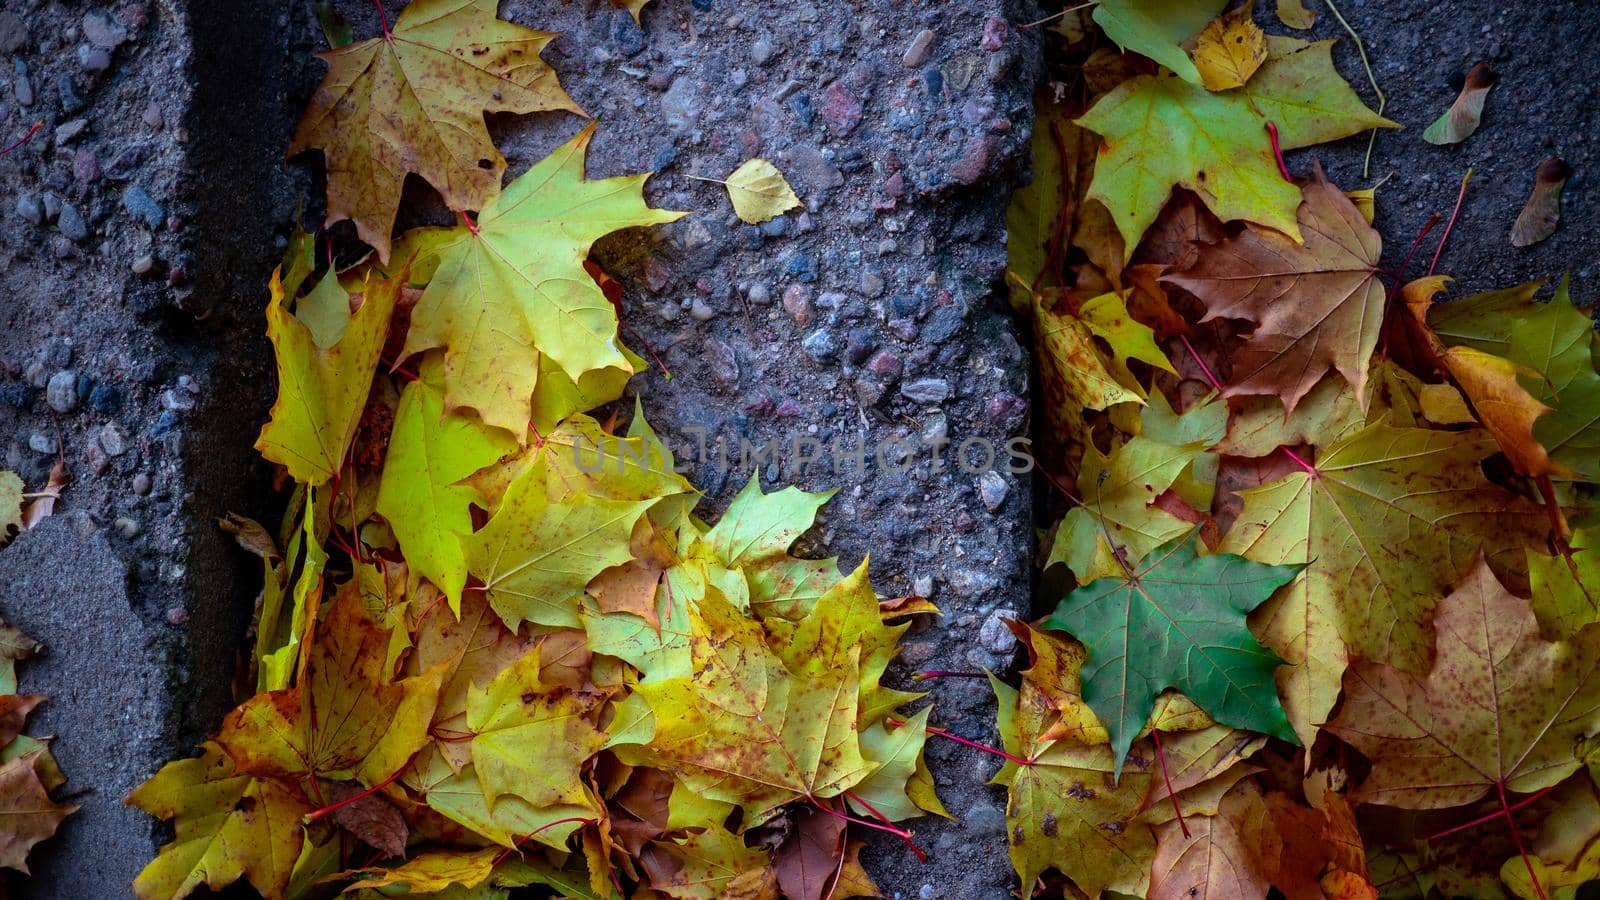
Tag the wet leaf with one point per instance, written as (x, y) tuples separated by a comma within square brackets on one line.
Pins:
[(1176, 619), (510, 290), (1316, 306)]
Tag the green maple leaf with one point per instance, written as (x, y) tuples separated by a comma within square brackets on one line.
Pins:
[(430, 451), (1177, 620), (512, 288), (1158, 28), (323, 388), (1162, 131)]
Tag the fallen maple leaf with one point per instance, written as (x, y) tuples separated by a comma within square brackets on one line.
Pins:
[(1500, 710), (1164, 132), (510, 289), (1176, 619), (413, 101), (1156, 28), (1384, 520), (1316, 306), (1232, 854), (228, 826)]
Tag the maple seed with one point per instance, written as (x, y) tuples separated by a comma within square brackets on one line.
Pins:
[(1542, 212), (1462, 118)]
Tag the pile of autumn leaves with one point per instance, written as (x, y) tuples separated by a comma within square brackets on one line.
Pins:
[(1307, 507), (495, 647)]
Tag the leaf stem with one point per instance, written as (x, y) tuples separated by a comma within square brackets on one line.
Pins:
[(24, 139), (1443, 239), (1161, 757), (517, 844), (873, 811), (1366, 163), (1057, 15), (1489, 817), (1210, 376), (1516, 838), (931, 674), (383, 18), (900, 833), (314, 815), (1310, 469), (703, 178), (1277, 153), (1400, 276), (970, 743)]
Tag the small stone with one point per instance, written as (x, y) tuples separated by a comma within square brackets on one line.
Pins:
[(992, 489), (111, 440), (144, 265), (93, 59), (797, 303), (72, 224), (126, 527), (871, 283), (177, 616), (29, 209), (974, 161), (62, 392), (841, 109), (922, 586), (85, 166), (152, 115), (41, 443), (105, 399), (917, 51), (885, 363), (995, 636), (758, 295), (700, 311), (103, 31), (723, 361), (13, 32), (60, 247), (926, 390), (176, 401), (761, 52), (994, 34), (943, 324), (680, 105), (820, 345), (141, 484), (72, 102), (138, 202), (69, 132), (859, 344)]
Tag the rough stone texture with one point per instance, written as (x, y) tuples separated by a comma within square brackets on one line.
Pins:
[(65, 586), (157, 312)]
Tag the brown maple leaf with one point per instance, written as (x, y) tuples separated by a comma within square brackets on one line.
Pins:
[(1502, 708), (413, 100), (1316, 305), (27, 814)]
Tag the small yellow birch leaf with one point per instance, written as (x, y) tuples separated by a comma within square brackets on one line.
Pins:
[(759, 192), (1230, 49)]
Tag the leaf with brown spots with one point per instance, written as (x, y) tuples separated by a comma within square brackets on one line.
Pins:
[(1501, 709), (1384, 520), (1232, 854), (413, 101), (1316, 306)]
